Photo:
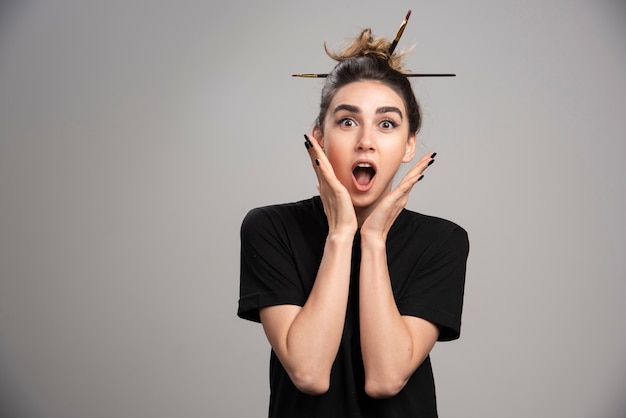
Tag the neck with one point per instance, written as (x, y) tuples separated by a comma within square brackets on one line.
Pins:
[(362, 214)]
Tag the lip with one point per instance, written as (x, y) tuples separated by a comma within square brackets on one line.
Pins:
[(368, 186)]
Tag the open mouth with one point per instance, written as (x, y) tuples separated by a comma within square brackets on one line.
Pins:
[(364, 174)]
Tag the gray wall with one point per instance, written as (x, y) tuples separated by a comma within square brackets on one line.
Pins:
[(134, 137)]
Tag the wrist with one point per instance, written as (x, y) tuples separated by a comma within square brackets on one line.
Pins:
[(338, 237), (373, 240)]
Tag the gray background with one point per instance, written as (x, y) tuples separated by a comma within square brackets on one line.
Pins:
[(135, 135)]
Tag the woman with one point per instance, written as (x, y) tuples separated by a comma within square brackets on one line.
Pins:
[(353, 290)]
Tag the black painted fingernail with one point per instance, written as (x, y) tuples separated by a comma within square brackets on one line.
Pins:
[(430, 162), (433, 155), (421, 177), (307, 142), (317, 161)]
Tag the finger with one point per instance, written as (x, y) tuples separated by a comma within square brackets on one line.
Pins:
[(320, 162), (425, 160), (326, 173), (315, 153), (313, 149), (310, 147), (415, 174), (422, 164)]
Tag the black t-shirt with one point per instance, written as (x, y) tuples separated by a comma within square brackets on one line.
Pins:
[(281, 250)]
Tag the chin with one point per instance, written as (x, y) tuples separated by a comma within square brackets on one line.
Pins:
[(365, 200)]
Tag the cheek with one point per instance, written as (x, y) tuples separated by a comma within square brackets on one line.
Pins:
[(334, 155), (394, 154), (338, 157)]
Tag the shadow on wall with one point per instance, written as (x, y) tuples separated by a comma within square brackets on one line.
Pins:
[(16, 400)]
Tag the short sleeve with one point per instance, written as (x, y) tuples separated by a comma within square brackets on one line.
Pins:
[(436, 287), (268, 273)]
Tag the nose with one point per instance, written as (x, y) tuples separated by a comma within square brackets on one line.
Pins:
[(366, 140)]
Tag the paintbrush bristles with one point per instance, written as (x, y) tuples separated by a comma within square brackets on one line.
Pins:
[(399, 34)]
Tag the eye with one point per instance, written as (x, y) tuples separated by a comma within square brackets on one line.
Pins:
[(388, 124), (347, 122)]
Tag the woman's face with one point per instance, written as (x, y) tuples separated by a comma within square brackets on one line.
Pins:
[(366, 138)]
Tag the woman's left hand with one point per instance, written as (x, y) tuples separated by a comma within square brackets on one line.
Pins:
[(381, 219)]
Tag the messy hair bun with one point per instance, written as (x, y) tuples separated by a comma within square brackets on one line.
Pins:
[(368, 58), (365, 44)]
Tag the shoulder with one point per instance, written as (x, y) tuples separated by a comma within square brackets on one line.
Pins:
[(430, 230), (427, 223), (284, 215)]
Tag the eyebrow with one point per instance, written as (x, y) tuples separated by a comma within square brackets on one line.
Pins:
[(380, 110)]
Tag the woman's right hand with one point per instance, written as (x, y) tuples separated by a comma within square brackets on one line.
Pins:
[(335, 197), (306, 338)]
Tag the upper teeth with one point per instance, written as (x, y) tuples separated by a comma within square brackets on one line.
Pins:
[(364, 165)]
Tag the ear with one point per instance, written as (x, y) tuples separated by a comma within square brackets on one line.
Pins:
[(318, 135), (410, 148)]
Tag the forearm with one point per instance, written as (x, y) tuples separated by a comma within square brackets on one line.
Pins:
[(391, 351), (312, 340)]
